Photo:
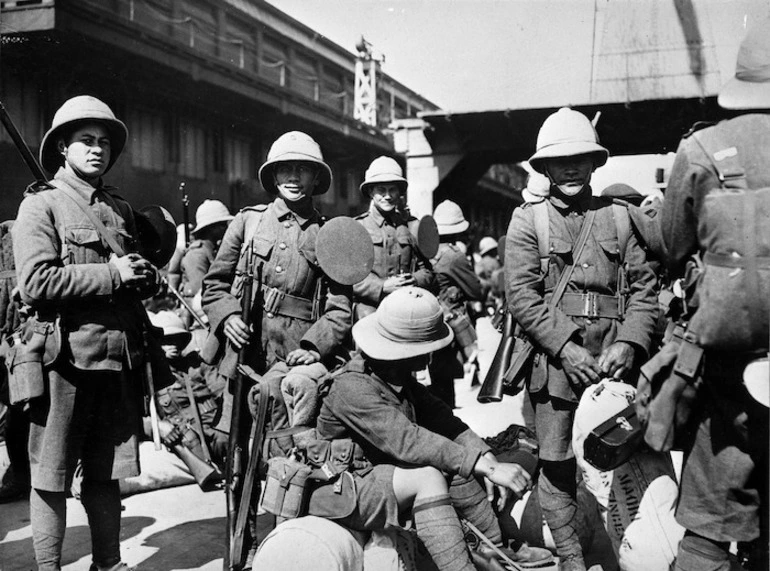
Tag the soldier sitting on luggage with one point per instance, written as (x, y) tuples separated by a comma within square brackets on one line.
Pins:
[(412, 458), (179, 419)]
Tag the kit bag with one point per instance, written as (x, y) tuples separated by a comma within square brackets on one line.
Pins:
[(734, 228), (614, 441)]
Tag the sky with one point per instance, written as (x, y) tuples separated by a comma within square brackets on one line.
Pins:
[(497, 54)]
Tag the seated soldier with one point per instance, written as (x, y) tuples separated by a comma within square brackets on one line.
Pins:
[(178, 418), (413, 458)]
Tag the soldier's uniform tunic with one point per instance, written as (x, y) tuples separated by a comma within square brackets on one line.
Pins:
[(458, 284), (196, 262), (395, 252), (724, 488), (92, 411), (528, 291), (283, 246)]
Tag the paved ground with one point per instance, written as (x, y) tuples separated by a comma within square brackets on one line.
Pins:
[(182, 528)]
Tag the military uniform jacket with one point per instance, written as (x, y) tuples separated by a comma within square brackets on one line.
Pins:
[(407, 428), (456, 279), (693, 177), (395, 252), (283, 244), (63, 267), (528, 290), (196, 262)]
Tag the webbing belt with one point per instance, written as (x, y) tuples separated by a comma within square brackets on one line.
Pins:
[(277, 302), (728, 261), (593, 305)]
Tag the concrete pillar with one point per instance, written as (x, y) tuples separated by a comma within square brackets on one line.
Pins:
[(424, 169)]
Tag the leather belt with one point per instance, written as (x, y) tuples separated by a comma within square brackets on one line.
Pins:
[(277, 302), (593, 305)]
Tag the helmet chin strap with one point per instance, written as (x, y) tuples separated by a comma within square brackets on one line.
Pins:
[(566, 190)]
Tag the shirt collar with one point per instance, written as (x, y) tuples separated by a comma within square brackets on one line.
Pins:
[(282, 211), (392, 219)]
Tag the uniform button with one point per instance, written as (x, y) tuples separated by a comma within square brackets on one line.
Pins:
[(287, 224), (585, 265), (282, 246), (270, 314), (278, 269)]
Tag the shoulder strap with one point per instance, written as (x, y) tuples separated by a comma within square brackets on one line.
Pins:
[(724, 158), (585, 231), (622, 226), (542, 230), (100, 227)]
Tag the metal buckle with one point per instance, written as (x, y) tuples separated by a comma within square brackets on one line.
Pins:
[(590, 305), (272, 299)]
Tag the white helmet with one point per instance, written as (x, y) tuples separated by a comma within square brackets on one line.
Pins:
[(567, 133), (295, 146)]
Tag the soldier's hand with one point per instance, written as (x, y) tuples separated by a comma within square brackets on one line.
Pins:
[(236, 331), (302, 357), (502, 477), (132, 269), (579, 365), (617, 359)]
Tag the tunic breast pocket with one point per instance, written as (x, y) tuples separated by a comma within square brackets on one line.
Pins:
[(262, 247), (84, 245), (611, 248), (559, 253)]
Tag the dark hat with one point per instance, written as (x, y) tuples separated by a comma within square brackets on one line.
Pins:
[(623, 192), (428, 238), (157, 234), (344, 250)]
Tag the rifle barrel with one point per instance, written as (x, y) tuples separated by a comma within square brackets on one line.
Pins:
[(21, 146)]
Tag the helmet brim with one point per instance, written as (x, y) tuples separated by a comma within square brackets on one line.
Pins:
[(267, 178), (744, 95), (569, 149), (50, 157), (376, 346), (383, 179), (448, 229)]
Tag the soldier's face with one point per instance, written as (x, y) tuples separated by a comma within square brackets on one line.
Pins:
[(386, 197), (570, 174), (88, 151), (295, 180)]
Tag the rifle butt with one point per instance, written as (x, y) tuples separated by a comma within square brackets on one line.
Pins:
[(492, 388), (205, 474)]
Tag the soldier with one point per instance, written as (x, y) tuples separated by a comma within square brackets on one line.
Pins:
[(458, 285), (397, 261), (410, 454), (724, 486), (600, 327), (304, 317), (487, 268), (91, 410), (179, 417), (211, 220)]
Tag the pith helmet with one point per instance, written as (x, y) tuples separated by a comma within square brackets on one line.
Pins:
[(82, 108), (750, 88), (295, 146), (383, 170), (487, 244), (210, 212), (409, 322), (567, 133), (171, 324), (450, 219)]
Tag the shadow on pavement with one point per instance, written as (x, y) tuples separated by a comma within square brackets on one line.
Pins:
[(77, 544), (189, 545), (15, 516)]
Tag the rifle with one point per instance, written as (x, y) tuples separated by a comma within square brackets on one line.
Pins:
[(21, 146), (239, 434), (492, 388), (185, 303), (185, 214)]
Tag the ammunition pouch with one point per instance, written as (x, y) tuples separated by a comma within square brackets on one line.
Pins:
[(668, 388), (34, 346)]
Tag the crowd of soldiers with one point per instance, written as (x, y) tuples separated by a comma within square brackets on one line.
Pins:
[(365, 371)]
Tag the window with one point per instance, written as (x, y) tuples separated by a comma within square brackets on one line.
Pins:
[(192, 150), (21, 98), (238, 159), (272, 67), (148, 143)]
